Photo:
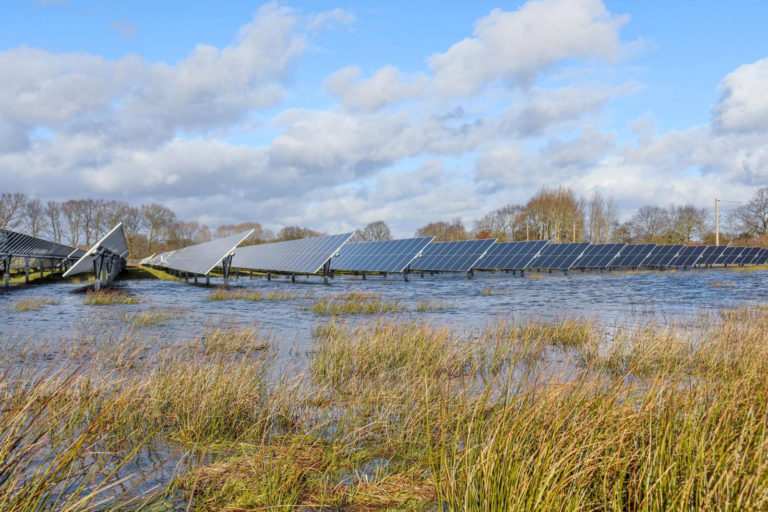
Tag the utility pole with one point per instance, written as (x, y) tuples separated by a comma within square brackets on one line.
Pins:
[(717, 224), (574, 231)]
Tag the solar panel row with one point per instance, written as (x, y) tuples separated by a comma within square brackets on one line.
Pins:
[(20, 245), (382, 256), (202, 258), (511, 255), (304, 256), (460, 256)]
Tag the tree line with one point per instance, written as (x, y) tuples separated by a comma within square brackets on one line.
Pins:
[(556, 214)]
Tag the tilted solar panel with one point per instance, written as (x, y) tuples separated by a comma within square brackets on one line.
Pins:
[(460, 256), (730, 255), (381, 256), (204, 257), (711, 254), (690, 255), (747, 255), (598, 255), (762, 257), (113, 245), (663, 256), (304, 256), (633, 255), (20, 245), (511, 255), (558, 256)]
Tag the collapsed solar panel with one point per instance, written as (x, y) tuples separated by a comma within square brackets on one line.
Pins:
[(304, 256), (202, 258), (633, 256), (113, 246), (382, 256), (460, 256), (511, 255), (598, 256), (20, 245), (558, 256)]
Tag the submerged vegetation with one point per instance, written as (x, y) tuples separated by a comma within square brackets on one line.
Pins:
[(108, 298), (31, 304), (223, 293), (386, 414)]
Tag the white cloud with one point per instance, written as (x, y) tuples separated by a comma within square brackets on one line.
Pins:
[(516, 46), (385, 87), (743, 106)]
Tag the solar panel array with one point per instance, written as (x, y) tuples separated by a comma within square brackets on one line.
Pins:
[(663, 256), (204, 257), (381, 256), (711, 254), (511, 255), (113, 245), (559, 256), (690, 255), (633, 255), (304, 256), (460, 256), (598, 256), (20, 245)]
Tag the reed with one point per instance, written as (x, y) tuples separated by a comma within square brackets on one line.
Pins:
[(385, 414), (108, 298)]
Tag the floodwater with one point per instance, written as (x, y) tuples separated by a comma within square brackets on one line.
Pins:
[(464, 303)]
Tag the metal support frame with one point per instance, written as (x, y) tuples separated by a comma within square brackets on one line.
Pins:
[(326, 271), (406, 272), (7, 270), (26, 269), (226, 263)]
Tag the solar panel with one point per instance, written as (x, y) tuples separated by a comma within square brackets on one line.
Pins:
[(20, 245), (663, 256), (761, 258), (511, 255), (204, 257), (304, 256), (598, 255), (146, 260), (558, 256), (633, 255), (711, 254), (690, 255), (113, 245), (745, 255), (382, 256), (729, 255), (460, 256)]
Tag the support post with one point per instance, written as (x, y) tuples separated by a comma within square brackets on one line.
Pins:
[(326, 271), (269, 276), (195, 278), (406, 272), (717, 224), (7, 270), (470, 273), (293, 278), (42, 268), (26, 269), (225, 264), (207, 280), (363, 276)]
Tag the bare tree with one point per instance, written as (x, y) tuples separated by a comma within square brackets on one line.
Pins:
[(505, 223), (444, 231), (377, 231), (602, 218), (650, 224), (53, 212), (71, 212), (753, 216), (157, 220), (11, 209), (555, 214), (357, 236), (35, 220), (295, 233), (688, 223)]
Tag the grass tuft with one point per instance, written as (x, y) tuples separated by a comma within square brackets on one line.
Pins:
[(108, 298)]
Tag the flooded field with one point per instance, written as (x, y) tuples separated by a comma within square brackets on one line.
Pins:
[(285, 309), (381, 394)]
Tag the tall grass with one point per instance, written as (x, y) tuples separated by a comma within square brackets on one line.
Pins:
[(383, 414)]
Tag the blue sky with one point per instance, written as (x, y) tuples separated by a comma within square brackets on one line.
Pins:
[(649, 102)]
